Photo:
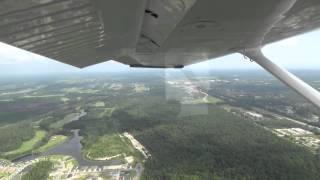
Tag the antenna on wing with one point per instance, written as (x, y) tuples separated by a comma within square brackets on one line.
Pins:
[(243, 52)]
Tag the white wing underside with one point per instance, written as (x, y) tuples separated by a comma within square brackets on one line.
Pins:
[(155, 33), (158, 33)]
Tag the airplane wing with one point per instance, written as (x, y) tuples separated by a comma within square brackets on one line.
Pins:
[(163, 33), (155, 33)]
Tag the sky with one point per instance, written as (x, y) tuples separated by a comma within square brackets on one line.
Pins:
[(299, 52)]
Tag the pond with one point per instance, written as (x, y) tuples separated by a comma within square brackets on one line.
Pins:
[(72, 147)]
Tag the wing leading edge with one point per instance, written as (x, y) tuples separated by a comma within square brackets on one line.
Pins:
[(146, 32), (158, 34)]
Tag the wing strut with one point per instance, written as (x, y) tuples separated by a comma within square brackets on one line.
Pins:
[(285, 76)]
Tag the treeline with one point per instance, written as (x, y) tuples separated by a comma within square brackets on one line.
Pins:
[(217, 145), (39, 171), (12, 136)]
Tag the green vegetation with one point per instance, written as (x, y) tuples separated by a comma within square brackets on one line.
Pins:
[(44, 96), (278, 123), (12, 136), (139, 88), (101, 112), (217, 144), (65, 100), (27, 146), (26, 108), (53, 141), (212, 100), (67, 119), (79, 90), (100, 131), (3, 175), (207, 99), (39, 171), (195, 140), (57, 118), (108, 111), (99, 104), (132, 174), (68, 162), (116, 146)]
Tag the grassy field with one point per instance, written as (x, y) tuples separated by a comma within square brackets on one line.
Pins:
[(207, 100), (64, 99), (115, 146), (99, 104), (28, 145), (212, 100), (79, 90), (68, 118), (139, 88), (44, 96), (3, 175), (108, 111), (100, 112), (54, 140)]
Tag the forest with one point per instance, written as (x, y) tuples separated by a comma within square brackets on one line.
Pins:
[(12, 136), (217, 145), (39, 171), (184, 141)]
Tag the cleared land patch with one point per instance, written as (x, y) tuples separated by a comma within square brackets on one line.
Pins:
[(206, 100), (99, 104), (80, 90), (110, 146), (64, 99), (101, 112), (140, 88), (43, 96)]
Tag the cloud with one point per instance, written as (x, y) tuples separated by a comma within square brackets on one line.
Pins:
[(12, 55)]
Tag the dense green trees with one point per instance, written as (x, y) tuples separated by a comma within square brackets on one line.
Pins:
[(184, 144), (217, 145), (39, 171), (25, 108), (12, 136), (92, 128)]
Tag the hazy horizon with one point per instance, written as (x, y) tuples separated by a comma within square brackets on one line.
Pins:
[(297, 53)]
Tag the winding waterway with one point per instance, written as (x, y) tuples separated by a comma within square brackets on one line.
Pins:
[(72, 147)]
